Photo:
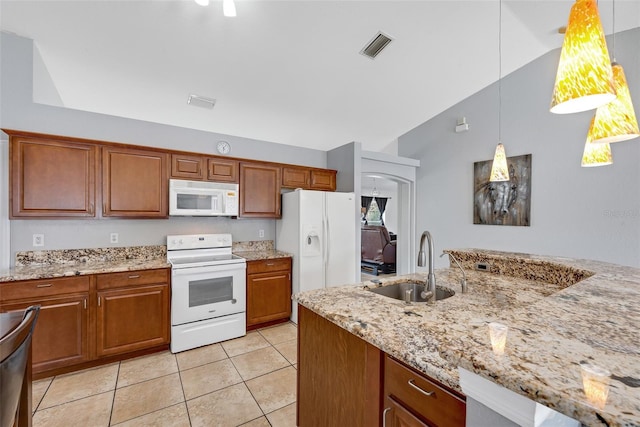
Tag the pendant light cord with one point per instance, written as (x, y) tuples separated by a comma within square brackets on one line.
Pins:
[(500, 74), (614, 30)]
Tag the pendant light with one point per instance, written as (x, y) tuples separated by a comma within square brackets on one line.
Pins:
[(584, 79), (228, 8), (499, 169), (595, 154), (615, 121)]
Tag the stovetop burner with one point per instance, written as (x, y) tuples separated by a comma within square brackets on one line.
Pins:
[(196, 250)]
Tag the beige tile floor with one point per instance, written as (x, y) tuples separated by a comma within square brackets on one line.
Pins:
[(248, 381)]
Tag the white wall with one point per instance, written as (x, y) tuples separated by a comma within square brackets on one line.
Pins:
[(5, 230), (19, 111), (591, 213)]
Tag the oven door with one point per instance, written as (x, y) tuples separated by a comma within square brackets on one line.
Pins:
[(200, 293)]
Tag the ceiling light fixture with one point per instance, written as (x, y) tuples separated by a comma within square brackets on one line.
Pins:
[(584, 79), (499, 169), (595, 154), (375, 191), (202, 2), (615, 121), (228, 8)]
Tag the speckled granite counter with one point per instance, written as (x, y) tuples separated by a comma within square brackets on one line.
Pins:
[(574, 310), (34, 265), (258, 250)]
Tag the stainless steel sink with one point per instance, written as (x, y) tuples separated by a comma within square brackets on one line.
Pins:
[(410, 292)]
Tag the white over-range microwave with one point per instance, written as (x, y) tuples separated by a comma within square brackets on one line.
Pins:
[(200, 198)]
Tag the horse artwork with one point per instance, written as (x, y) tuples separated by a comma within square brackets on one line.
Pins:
[(506, 202)]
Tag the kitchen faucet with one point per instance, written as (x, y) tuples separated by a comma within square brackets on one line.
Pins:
[(463, 281), (422, 260)]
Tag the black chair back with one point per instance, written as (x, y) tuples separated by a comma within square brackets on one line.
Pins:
[(14, 352)]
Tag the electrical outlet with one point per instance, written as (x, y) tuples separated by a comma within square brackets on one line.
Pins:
[(261, 233), (38, 240), (113, 237)]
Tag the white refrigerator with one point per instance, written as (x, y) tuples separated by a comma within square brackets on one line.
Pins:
[(319, 229)]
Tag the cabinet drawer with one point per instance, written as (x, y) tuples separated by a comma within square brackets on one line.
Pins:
[(43, 288), (267, 265), (434, 404), (132, 278)]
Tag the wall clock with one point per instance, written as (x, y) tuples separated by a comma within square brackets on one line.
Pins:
[(223, 147)]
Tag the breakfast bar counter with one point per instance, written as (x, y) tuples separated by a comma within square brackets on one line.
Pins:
[(560, 312)]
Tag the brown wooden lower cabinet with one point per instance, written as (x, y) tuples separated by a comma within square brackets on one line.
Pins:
[(268, 292), (345, 381), (87, 320), (396, 415), (60, 337), (428, 401), (131, 319), (339, 375)]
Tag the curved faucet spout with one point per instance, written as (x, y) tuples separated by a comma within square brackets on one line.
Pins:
[(463, 281), (422, 260)]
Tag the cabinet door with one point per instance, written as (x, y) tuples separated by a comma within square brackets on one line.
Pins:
[(295, 177), (323, 180), (51, 178), (396, 415), (131, 319), (222, 170), (60, 337), (187, 167), (259, 190), (268, 297), (339, 375), (134, 183)]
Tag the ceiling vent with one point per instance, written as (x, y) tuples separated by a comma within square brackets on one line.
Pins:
[(375, 46), (201, 101)]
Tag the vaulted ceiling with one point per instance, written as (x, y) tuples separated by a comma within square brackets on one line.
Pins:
[(287, 71)]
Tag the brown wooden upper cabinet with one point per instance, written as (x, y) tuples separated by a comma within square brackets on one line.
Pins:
[(323, 180), (200, 168), (52, 177), (308, 178), (184, 166), (260, 190), (134, 183)]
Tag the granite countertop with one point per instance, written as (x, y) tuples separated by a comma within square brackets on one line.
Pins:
[(262, 254), (34, 265), (559, 311)]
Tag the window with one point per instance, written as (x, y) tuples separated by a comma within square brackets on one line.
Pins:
[(373, 215)]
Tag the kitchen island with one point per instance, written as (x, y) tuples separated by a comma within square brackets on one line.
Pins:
[(560, 312)]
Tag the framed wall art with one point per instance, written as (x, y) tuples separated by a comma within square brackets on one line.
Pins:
[(503, 203)]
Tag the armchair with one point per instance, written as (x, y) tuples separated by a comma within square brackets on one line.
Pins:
[(378, 251)]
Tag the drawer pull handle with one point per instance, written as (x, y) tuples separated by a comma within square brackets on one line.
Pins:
[(136, 276), (48, 285), (271, 264), (384, 417), (414, 385)]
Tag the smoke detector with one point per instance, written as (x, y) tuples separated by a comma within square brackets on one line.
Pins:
[(375, 46), (201, 101)]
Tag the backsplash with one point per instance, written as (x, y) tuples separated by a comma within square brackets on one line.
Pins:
[(525, 266), (69, 256), (73, 256), (254, 245)]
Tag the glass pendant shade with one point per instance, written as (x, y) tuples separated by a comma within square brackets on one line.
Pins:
[(499, 169), (616, 121), (596, 154), (228, 8), (584, 79)]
